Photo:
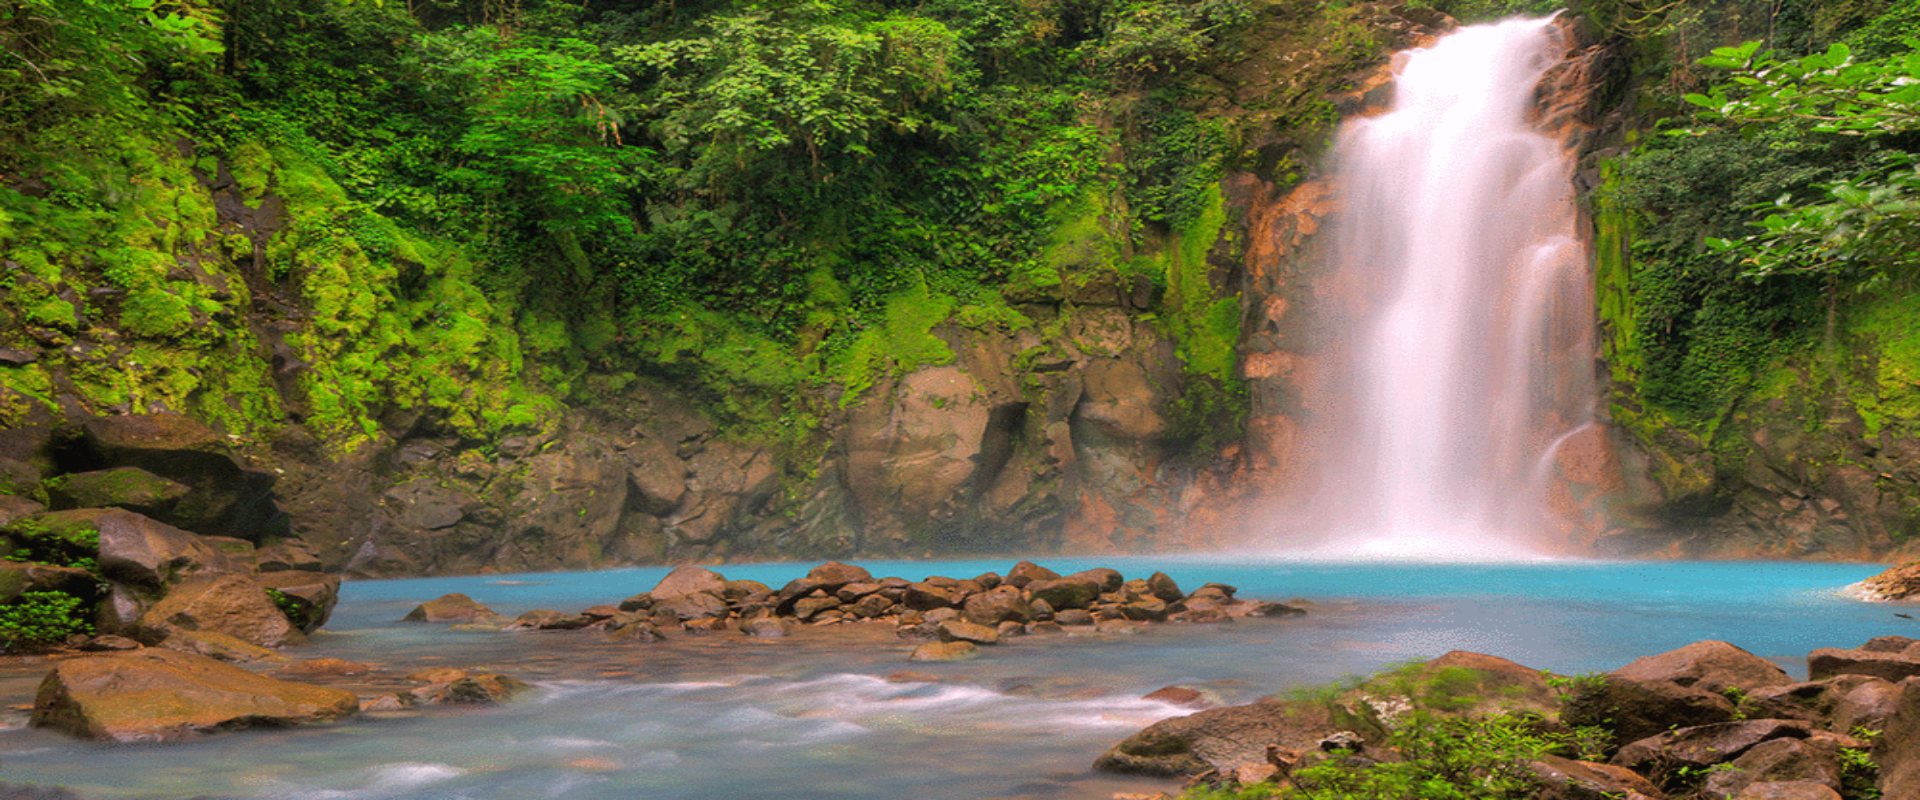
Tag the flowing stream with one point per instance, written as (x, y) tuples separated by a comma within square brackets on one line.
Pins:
[(1462, 306), (824, 714)]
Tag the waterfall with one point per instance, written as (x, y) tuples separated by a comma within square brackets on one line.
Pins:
[(1458, 298)]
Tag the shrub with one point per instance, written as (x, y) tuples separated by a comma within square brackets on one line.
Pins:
[(37, 620)]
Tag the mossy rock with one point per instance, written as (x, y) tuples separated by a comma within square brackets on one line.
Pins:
[(131, 488)]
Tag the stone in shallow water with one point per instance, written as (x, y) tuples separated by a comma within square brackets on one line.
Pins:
[(957, 630), (155, 694), (454, 607), (945, 651)]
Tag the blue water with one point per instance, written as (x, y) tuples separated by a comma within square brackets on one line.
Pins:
[(813, 716)]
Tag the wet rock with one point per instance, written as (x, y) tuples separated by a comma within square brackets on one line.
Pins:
[(1827, 662), (1063, 593), (1163, 588), (1106, 579), (229, 604), (1896, 583), (329, 667), (871, 606), (1002, 604), (1145, 609), (155, 694), (1180, 696), (740, 591), (217, 645), (925, 596), (1272, 609), (130, 488), (1027, 572), (13, 507), (836, 574), (474, 690), (1219, 738), (544, 619), (454, 607), (690, 606), (956, 630), (642, 631), (765, 627), (639, 602), (1073, 616), (1709, 665), (945, 651), (1888, 644), (689, 580), (109, 644), (806, 608)]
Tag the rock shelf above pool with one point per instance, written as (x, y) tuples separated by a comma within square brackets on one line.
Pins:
[(953, 615)]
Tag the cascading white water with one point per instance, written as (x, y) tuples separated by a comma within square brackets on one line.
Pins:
[(1462, 303)]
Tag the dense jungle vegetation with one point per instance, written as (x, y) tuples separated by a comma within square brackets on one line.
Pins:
[(493, 207)]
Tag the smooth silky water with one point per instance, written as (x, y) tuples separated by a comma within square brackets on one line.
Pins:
[(815, 715)]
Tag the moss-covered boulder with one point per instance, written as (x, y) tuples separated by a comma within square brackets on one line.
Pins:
[(158, 695), (131, 488)]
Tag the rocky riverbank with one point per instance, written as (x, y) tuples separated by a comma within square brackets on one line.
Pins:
[(1708, 720)]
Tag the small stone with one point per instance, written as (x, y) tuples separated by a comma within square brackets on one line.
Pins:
[(945, 651)]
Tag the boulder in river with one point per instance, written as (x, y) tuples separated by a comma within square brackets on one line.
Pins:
[(156, 695), (453, 607)]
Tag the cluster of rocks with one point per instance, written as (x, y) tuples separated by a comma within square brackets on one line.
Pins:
[(955, 615), (159, 530), (1708, 720), (1900, 582)]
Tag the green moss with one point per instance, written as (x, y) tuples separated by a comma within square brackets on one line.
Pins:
[(902, 344), (1612, 274), (1205, 328)]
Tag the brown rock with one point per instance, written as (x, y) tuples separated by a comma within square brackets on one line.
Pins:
[(1897, 751), (807, 608), (1837, 703), (689, 580), (1107, 579), (1705, 745), (1635, 710), (139, 551), (1790, 790), (1002, 604), (130, 488), (1180, 696), (287, 555), (326, 666), (1219, 738), (454, 607), (1567, 779), (1896, 583), (955, 630), (310, 595), (1063, 593), (1708, 665), (1827, 662), (838, 574), (214, 644), (1163, 587), (945, 651), (1888, 644), (228, 604), (474, 690), (17, 578), (640, 631), (1026, 572), (227, 499), (690, 606), (156, 694), (1775, 760), (926, 596)]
